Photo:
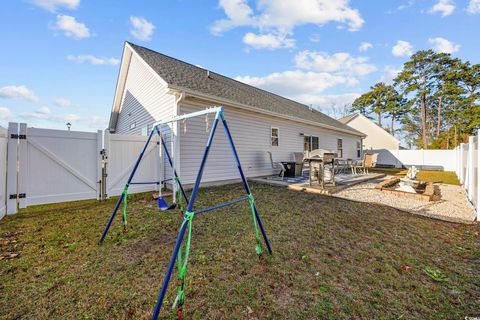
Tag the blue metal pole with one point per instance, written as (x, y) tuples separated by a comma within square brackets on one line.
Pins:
[(168, 274), (244, 180), (221, 205), (166, 280), (184, 194), (126, 185)]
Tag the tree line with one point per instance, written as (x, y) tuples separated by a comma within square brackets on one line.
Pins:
[(435, 99)]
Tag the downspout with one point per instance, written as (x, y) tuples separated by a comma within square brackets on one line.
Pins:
[(175, 143)]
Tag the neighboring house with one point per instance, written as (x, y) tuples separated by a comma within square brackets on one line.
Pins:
[(152, 86), (375, 136)]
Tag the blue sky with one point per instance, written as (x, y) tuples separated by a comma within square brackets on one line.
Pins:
[(59, 58)]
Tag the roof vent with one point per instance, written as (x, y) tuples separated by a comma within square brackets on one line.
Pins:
[(208, 73), (310, 107)]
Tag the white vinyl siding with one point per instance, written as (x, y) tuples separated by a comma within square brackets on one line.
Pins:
[(252, 137), (145, 100)]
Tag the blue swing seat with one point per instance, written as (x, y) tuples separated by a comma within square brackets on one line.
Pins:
[(163, 205)]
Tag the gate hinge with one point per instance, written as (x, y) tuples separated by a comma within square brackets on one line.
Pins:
[(19, 196), (18, 136)]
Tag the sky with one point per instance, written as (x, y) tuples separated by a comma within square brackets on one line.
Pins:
[(59, 60)]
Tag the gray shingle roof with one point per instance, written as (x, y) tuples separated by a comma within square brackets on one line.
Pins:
[(187, 76), (348, 118)]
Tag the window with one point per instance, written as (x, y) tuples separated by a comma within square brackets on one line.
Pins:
[(133, 125), (145, 131), (359, 149), (274, 137), (314, 143), (310, 143), (340, 148)]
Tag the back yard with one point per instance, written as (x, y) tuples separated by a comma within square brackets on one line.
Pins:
[(333, 258)]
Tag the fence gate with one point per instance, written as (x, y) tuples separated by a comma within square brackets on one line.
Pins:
[(3, 171), (53, 166), (121, 154)]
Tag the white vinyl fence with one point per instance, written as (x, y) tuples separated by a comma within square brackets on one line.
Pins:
[(121, 155), (445, 160), (468, 170), (3, 171), (463, 160), (40, 166)]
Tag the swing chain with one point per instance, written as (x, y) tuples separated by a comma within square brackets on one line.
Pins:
[(184, 126), (206, 122)]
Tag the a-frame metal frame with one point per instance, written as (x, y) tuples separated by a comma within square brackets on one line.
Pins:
[(190, 213)]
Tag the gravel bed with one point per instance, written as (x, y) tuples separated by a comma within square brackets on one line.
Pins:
[(453, 205)]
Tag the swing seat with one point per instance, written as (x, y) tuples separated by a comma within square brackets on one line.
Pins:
[(163, 205)]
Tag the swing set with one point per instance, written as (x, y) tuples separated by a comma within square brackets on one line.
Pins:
[(179, 195)]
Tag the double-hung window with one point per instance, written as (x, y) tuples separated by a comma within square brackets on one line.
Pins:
[(274, 136)]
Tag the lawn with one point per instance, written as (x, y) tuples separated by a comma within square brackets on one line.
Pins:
[(333, 259), (447, 177)]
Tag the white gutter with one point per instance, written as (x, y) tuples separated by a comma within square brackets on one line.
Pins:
[(196, 94)]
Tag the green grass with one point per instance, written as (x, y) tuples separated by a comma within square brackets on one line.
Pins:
[(333, 259), (447, 177)]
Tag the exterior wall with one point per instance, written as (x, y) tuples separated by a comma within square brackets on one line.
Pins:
[(251, 134), (376, 137), (145, 99)]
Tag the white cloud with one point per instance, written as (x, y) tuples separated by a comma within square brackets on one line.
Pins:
[(292, 83), (341, 62), (53, 5), (269, 41), (71, 27), (281, 17), (18, 92), (44, 111), (473, 7), (93, 59), (364, 46), (443, 45), (389, 73), (5, 113), (444, 7), (62, 102), (327, 101), (142, 29), (402, 48)]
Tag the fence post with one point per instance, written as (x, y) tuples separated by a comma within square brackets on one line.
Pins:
[(99, 164), (23, 187), (471, 168), (12, 149), (106, 147)]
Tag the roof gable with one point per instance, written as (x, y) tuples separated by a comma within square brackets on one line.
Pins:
[(181, 75)]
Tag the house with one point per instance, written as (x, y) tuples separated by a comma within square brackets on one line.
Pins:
[(375, 136), (152, 86)]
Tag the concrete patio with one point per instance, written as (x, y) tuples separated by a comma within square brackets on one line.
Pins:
[(342, 181)]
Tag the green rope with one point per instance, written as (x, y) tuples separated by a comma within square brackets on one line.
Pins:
[(258, 246), (125, 196), (182, 260)]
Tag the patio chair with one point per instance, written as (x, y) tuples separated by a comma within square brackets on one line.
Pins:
[(369, 161), (277, 166), (298, 163)]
